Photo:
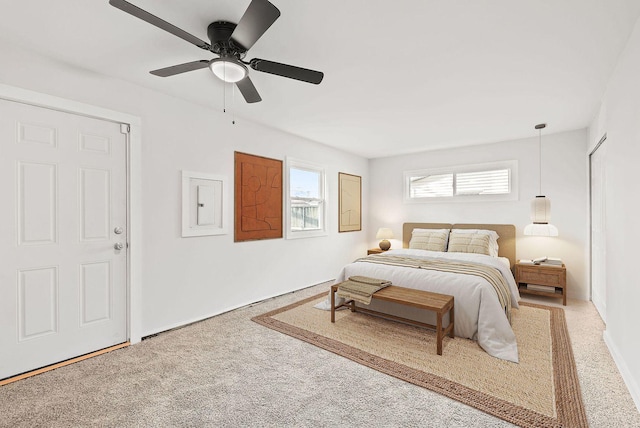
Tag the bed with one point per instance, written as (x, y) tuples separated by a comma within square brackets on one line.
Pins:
[(482, 306)]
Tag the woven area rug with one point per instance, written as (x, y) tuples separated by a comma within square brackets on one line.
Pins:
[(540, 391)]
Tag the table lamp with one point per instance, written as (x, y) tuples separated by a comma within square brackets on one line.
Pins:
[(384, 233)]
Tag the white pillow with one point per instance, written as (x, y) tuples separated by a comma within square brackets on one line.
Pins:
[(493, 238), (429, 239), (477, 243)]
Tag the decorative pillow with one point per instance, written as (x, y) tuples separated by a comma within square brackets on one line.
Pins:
[(469, 243), (429, 239), (418, 231), (493, 238)]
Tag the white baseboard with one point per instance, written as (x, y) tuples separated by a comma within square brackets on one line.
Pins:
[(627, 376), (184, 323)]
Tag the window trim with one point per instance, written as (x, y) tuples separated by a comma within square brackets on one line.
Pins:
[(512, 165), (307, 166)]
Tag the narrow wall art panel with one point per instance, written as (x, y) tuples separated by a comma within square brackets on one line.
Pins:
[(258, 197), (350, 202)]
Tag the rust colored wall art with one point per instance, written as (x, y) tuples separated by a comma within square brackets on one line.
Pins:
[(258, 197)]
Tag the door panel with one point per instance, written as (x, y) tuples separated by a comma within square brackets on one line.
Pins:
[(95, 292), (37, 195), (37, 302), (29, 133), (63, 288), (94, 204)]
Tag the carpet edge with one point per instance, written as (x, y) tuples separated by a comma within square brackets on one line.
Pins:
[(568, 402)]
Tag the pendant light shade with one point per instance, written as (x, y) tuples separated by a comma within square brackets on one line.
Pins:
[(540, 217), (540, 206)]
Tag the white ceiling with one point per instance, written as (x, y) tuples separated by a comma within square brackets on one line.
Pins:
[(400, 76)]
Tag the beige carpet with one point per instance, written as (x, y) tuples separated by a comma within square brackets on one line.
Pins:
[(542, 390)]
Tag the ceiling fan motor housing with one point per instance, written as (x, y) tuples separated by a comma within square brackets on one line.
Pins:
[(219, 34)]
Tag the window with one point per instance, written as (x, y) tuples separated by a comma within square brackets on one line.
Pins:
[(306, 205), (482, 182)]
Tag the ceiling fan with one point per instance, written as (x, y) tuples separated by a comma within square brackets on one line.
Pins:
[(230, 42)]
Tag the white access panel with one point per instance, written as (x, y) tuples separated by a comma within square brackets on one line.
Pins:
[(204, 204), (63, 288)]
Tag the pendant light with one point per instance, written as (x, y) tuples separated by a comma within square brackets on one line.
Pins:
[(540, 206)]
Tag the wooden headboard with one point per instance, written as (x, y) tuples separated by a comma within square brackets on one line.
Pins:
[(506, 241)]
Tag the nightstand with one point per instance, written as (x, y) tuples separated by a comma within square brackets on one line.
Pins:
[(551, 276), (374, 251)]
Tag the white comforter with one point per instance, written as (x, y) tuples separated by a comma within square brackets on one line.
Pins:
[(478, 314)]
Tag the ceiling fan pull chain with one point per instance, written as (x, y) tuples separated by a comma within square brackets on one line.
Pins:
[(233, 103)]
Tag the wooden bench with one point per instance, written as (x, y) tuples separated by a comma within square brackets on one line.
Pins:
[(439, 303)]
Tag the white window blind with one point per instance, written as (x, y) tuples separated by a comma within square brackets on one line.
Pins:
[(494, 182), (490, 181), (430, 186)]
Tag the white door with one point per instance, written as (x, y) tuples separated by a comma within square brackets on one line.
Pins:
[(63, 289), (598, 231)]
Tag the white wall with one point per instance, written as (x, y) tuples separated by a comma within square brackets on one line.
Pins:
[(619, 118), (564, 182), (185, 279)]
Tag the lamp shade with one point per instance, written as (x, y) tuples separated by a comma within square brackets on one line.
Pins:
[(229, 70), (540, 216), (540, 230), (384, 233)]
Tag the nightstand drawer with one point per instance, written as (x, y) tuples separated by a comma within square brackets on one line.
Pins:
[(538, 277)]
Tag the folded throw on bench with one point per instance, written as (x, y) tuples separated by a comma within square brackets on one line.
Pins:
[(361, 288)]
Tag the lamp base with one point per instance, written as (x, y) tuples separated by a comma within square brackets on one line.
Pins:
[(385, 245)]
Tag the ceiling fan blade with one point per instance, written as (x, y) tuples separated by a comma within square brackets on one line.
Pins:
[(248, 91), (180, 68), (285, 70), (256, 20), (160, 23)]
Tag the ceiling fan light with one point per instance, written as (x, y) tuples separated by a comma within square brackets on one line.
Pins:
[(228, 70)]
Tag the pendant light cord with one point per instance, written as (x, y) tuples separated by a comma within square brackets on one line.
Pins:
[(540, 160)]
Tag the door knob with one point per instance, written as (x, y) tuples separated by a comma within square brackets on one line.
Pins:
[(117, 230), (118, 246)]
